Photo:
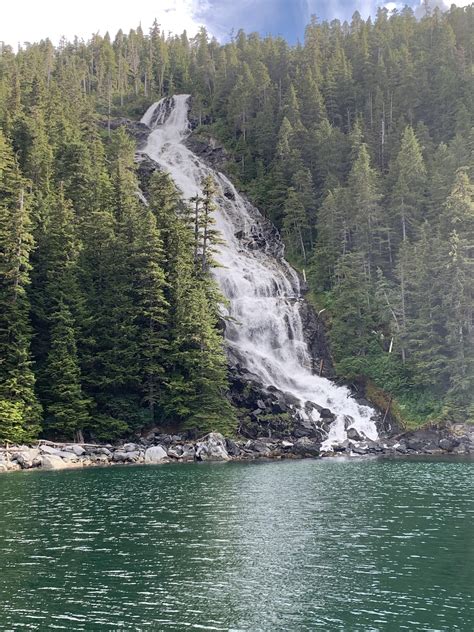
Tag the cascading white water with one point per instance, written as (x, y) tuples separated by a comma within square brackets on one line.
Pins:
[(265, 330)]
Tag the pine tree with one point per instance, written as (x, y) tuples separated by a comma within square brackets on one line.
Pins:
[(295, 223), (458, 298), (407, 199), (60, 385), (365, 197), (353, 310), (18, 404)]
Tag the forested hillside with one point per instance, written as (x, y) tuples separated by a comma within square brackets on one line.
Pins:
[(358, 144)]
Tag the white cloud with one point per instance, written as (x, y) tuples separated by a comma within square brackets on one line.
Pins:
[(32, 20)]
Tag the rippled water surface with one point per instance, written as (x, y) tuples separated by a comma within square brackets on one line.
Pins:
[(298, 545)]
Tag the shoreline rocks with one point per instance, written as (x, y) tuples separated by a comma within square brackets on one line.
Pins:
[(158, 449)]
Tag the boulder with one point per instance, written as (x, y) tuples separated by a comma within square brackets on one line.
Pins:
[(212, 448), (47, 449), (189, 453), (176, 452), (53, 462), (100, 458), (327, 414), (305, 447), (67, 456), (78, 450), (353, 435), (120, 456), (232, 448), (342, 447), (26, 457), (359, 449), (155, 454), (105, 451), (134, 457), (130, 447), (448, 443), (258, 446)]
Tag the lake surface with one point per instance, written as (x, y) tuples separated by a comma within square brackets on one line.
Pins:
[(296, 545)]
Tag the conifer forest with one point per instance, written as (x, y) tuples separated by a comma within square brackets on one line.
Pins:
[(356, 143)]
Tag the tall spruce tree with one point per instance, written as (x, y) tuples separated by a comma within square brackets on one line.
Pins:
[(19, 408)]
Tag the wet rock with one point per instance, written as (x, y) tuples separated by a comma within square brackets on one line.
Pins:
[(291, 400), (348, 421), (259, 447), (354, 435), (343, 447), (176, 452), (375, 446), (327, 414), (212, 448), (461, 449), (305, 447), (359, 449), (286, 444), (232, 448), (156, 454), (189, 453), (448, 443)]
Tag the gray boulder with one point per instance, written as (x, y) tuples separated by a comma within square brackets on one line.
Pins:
[(189, 453), (155, 454), (67, 456), (104, 451), (133, 457), (232, 448), (305, 447), (359, 449), (130, 447), (120, 456), (449, 443), (78, 450), (353, 435), (212, 448), (53, 462), (47, 449), (26, 457), (176, 452)]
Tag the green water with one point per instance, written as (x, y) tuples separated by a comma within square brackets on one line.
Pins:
[(298, 545)]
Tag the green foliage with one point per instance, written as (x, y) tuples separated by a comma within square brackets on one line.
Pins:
[(358, 144)]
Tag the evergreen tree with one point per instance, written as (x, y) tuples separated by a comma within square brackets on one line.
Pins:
[(60, 387), (18, 404), (408, 174)]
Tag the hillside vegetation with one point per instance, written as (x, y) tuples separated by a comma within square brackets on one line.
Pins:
[(357, 143)]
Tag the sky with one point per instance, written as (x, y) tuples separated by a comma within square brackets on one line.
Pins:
[(32, 20)]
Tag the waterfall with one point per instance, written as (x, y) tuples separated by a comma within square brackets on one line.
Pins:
[(264, 329)]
